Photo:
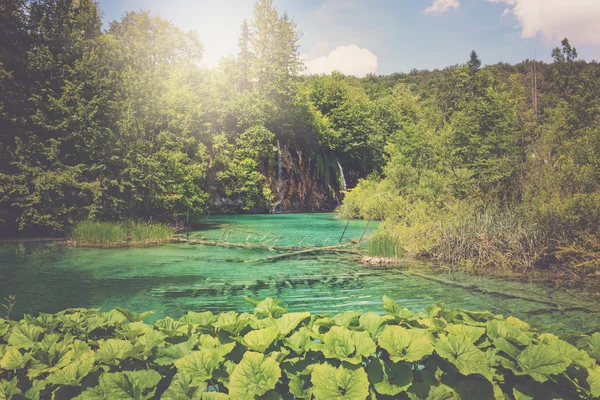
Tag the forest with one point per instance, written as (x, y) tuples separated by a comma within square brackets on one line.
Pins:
[(494, 166)]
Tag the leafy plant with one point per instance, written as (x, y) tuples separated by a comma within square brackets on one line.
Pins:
[(441, 353)]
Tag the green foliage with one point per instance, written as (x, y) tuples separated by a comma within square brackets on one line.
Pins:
[(384, 244), (441, 353), (120, 233)]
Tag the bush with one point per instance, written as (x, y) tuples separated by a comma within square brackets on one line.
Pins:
[(442, 353)]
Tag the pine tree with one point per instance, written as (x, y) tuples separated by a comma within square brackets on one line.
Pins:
[(474, 62)]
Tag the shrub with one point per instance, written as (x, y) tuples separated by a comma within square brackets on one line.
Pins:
[(441, 353)]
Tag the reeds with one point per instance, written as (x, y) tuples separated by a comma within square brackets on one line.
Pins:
[(95, 233), (383, 244)]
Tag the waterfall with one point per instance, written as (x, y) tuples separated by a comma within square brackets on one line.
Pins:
[(279, 170), (342, 178)]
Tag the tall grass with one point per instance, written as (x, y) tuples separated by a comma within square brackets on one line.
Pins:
[(119, 233), (386, 245), (490, 239)]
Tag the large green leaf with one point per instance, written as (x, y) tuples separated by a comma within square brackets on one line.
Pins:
[(259, 340), (541, 360), (9, 388), (112, 351), (474, 333), (72, 374), (200, 365), (172, 327), (405, 344), (464, 355), (300, 341), (202, 319), (134, 330), (209, 342), (132, 316), (174, 352), (267, 307), (372, 323), (390, 378), (288, 322), (138, 385), (36, 389), (183, 387), (233, 322), (501, 329), (346, 382), (13, 359), (594, 346), (146, 343), (253, 376), (338, 343), (24, 336)]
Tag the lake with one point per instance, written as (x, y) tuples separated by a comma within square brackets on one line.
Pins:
[(174, 278)]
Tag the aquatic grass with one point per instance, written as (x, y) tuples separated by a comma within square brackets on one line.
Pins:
[(96, 233), (385, 245)]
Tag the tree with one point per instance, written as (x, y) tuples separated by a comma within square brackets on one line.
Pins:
[(474, 62)]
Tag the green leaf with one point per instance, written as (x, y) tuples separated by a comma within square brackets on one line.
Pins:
[(203, 319), (534, 391), (594, 346), (183, 387), (372, 323), (209, 342), (365, 346), (174, 352), (200, 365), (253, 376), (172, 327), (405, 344), (259, 340), (542, 360), (464, 355), (24, 336), (474, 333), (346, 382), (346, 318), (390, 378), (289, 322), (134, 317), (233, 322), (147, 343), (112, 351), (9, 388), (138, 385), (501, 329), (300, 341), (267, 307), (35, 391), (134, 330), (338, 343), (593, 380), (72, 374), (13, 359)]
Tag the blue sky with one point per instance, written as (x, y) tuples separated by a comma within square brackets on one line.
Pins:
[(385, 36)]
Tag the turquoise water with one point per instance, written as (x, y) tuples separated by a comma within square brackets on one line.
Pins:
[(172, 279)]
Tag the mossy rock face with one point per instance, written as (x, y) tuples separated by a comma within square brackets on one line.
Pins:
[(441, 353)]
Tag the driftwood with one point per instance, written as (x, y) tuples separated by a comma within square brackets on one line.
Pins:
[(546, 301), (327, 249)]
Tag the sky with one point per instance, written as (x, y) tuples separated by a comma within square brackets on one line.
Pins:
[(358, 37)]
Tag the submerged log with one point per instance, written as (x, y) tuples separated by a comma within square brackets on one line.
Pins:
[(565, 306), (327, 249)]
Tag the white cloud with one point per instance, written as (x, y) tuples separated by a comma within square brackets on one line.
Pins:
[(349, 60), (557, 19), (441, 6)]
